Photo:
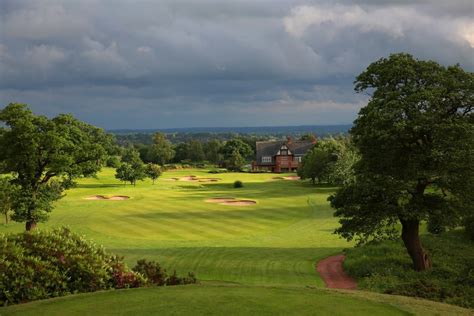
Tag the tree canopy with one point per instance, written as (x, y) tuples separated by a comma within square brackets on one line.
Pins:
[(161, 151), (416, 142), (45, 156)]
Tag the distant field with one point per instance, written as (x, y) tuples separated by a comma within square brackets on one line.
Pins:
[(263, 254)]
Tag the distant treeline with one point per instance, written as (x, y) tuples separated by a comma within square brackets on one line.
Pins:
[(204, 134)]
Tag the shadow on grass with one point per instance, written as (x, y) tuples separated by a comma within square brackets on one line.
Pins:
[(98, 185)]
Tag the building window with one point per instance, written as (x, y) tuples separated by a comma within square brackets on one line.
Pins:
[(298, 159), (267, 159), (284, 152)]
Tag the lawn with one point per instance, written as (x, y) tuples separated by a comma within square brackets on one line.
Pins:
[(259, 256)]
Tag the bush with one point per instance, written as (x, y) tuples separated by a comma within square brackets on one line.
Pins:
[(156, 275), (238, 184), (152, 271), (40, 264)]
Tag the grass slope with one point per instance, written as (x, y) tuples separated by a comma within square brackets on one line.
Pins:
[(229, 300)]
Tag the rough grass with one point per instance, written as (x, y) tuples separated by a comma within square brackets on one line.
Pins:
[(385, 267)]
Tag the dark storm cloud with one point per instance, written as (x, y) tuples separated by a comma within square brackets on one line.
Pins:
[(201, 63)]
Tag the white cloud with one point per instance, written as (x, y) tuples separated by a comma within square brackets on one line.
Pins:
[(394, 21)]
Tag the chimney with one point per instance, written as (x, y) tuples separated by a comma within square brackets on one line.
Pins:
[(289, 140)]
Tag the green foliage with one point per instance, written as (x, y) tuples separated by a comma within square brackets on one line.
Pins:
[(212, 151), (315, 165), (8, 192), (469, 226), (37, 150), (153, 171), (156, 275), (132, 168), (331, 160), (238, 184), (38, 265), (416, 139), (161, 151), (113, 162), (235, 162), (384, 267), (236, 144)]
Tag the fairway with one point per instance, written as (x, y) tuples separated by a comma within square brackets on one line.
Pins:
[(276, 241), (252, 259)]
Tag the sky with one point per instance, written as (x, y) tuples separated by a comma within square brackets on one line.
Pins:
[(215, 63)]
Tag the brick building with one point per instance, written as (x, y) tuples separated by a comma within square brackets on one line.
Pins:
[(281, 156)]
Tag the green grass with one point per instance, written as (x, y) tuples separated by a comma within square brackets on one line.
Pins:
[(266, 251), (276, 241), (385, 267), (228, 300)]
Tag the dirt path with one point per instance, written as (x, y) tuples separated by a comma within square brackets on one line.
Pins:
[(332, 273)]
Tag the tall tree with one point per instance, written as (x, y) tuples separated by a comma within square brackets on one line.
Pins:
[(45, 156), (212, 151), (196, 153), (161, 151), (416, 142), (235, 161), (232, 145), (315, 164)]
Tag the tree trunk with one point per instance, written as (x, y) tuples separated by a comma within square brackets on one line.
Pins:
[(6, 218), (411, 239), (30, 225)]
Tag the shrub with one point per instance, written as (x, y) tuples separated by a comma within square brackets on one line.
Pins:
[(152, 271), (41, 264), (156, 275), (238, 184)]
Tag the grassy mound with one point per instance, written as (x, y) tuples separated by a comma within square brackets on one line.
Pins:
[(229, 300), (385, 267)]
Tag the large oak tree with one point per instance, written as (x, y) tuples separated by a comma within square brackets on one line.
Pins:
[(45, 156), (416, 142)]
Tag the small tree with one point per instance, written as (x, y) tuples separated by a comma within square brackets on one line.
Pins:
[(7, 195), (153, 171), (128, 172), (45, 156), (416, 142)]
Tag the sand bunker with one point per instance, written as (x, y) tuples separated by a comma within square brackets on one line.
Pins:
[(231, 201), (239, 202), (194, 179), (292, 178), (220, 199), (110, 198)]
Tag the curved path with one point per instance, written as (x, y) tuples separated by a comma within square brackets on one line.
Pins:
[(333, 274)]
